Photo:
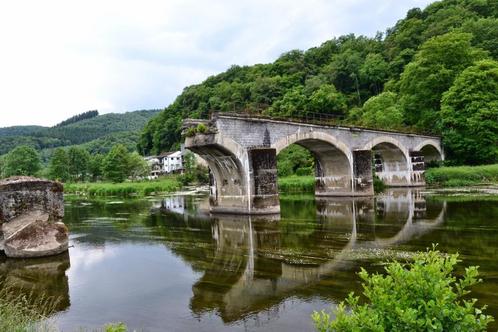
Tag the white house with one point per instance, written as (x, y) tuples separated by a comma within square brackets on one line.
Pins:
[(166, 163), (172, 161)]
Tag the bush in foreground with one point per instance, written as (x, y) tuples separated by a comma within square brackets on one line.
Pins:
[(420, 296)]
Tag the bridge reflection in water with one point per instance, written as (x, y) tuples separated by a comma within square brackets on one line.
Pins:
[(242, 266), (257, 263)]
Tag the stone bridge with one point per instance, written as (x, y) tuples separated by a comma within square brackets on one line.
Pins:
[(241, 152)]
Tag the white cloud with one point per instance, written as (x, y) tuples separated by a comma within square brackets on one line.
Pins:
[(60, 58)]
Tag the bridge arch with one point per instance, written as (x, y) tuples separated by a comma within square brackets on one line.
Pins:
[(391, 160), (431, 150), (333, 161), (229, 181)]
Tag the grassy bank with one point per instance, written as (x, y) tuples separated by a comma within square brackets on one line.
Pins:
[(296, 184), (141, 188), (23, 312), (20, 313), (460, 176)]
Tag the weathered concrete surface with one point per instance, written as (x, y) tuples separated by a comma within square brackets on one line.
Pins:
[(32, 234), (30, 218), (24, 193), (343, 158)]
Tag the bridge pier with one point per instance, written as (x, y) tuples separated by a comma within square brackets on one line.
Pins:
[(263, 181)]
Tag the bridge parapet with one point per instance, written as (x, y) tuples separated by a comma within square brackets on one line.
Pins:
[(241, 153)]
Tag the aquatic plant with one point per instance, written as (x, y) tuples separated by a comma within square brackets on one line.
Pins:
[(423, 295), (117, 327)]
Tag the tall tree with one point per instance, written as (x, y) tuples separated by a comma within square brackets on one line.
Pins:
[(115, 166), (78, 163), (432, 72), (59, 165), (470, 115), (137, 166), (380, 111), (95, 166), (23, 160), (327, 100), (374, 72)]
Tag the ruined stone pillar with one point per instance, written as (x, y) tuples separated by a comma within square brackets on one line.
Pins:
[(31, 211)]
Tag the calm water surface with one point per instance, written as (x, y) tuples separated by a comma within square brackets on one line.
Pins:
[(164, 264)]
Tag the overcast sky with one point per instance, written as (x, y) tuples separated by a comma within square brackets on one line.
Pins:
[(61, 58)]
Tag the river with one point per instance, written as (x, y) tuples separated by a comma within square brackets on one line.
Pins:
[(165, 264)]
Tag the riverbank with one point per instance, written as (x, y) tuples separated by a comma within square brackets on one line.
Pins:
[(461, 176), (296, 184), (457, 176), (306, 184), (139, 188)]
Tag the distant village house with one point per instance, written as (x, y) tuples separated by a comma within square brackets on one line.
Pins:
[(166, 163)]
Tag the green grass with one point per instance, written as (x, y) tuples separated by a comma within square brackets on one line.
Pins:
[(460, 176), (142, 188), (24, 313), (296, 184)]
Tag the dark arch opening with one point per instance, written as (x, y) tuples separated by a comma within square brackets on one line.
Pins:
[(390, 164), (432, 157), (328, 164), (228, 185)]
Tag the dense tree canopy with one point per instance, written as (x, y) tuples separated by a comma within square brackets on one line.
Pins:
[(381, 111), (393, 81), (470, 115), (58, 167), (23, 160), (431, 73), (116, 164), (99, 132), (78, 159), (79, 117)]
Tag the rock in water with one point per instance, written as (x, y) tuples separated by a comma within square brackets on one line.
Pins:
[(31, 211)]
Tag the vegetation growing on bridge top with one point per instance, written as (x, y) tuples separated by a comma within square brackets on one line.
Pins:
[(412, 77)]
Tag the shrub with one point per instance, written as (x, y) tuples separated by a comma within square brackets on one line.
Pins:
[(303, 171), (379, 185), (420, 296), (191, 132), (296, 184), (119, 327), (201, 128)]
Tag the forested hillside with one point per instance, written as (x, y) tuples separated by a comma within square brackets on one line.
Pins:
[(434, 72), (19, 130), (98, 132)]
